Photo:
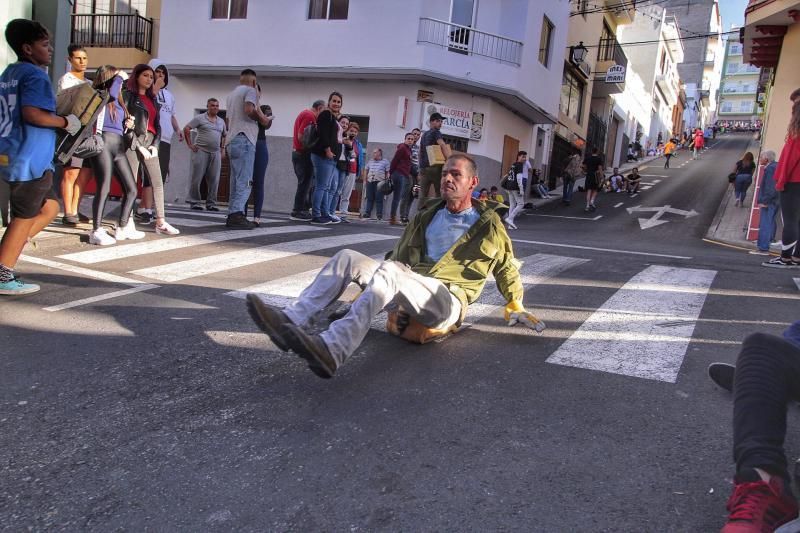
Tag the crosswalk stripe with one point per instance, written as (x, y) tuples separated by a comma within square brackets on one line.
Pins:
[(283, 291), (644, 329), (536, 269), (165, 244), (202, 266), (797, 282), (198, 223)]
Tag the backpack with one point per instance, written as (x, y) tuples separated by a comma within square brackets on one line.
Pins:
[(310, 136), (509, 181)]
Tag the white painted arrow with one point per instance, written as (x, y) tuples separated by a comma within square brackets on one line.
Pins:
[(655, 220)]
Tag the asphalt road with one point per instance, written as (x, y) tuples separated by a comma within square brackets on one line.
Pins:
[(150, 401)]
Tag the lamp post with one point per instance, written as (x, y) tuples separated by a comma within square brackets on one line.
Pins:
[(578, 53)]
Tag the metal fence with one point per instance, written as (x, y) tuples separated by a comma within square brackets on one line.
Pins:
[(113, 31), (610, 50), (468, 41)]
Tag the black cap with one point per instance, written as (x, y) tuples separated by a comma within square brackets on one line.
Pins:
[(436, 116)]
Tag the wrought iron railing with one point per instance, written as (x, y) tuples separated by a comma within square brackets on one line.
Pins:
[(610, 50), (465, 40), (112, 31)]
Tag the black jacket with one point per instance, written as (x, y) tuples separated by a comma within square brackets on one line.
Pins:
[(328, 130), (139, 112)]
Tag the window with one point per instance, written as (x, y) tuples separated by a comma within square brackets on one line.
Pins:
[(228, 9), (663, 67), (727, 106), (581, 6), (732, 68), (545, 42), (571, 102), (328, 9), (736, 49)]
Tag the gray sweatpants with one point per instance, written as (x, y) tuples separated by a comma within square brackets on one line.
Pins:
[(386, 284), (205, 165), (153, 169)]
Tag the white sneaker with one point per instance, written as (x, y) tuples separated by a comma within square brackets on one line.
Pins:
[(101, 238), (167, 229), (128, 232), (511, 225)]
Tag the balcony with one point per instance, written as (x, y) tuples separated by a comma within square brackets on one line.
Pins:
[(609, 54), (468, 41), (668, 86), (705, 95), (623, 10), (112, 31)]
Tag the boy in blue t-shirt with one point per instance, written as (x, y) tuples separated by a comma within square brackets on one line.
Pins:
[(27, 144)]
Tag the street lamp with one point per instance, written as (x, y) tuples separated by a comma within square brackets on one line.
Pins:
[(578, 53)]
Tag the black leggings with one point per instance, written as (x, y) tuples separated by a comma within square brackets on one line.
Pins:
[(767, 378), (790, 211), (112, 159)]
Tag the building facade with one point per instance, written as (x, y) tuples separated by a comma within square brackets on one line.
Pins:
[(771, 39), (739, 86), (594, 70), (703, 57), (655, 102), (473, 59)]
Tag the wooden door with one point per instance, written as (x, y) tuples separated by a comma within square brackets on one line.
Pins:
[(510, 150)]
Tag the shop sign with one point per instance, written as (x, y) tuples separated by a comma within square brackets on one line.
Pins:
[(615, 74), (457, 122)]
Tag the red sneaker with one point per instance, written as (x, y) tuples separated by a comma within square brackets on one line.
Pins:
[(758, 506)]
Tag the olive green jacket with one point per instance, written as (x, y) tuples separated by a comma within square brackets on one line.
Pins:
[(485, 248)]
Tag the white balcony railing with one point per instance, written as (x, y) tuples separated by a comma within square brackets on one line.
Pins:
[(468, 41)]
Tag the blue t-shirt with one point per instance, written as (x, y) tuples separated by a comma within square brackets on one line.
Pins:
[(115, 125), (26, 151), (446, 228)]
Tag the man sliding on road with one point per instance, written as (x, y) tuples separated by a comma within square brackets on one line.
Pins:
[(437, 268)]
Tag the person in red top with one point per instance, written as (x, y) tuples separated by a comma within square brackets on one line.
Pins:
[(787, 181), (699, 142), (301, 161), (140, 103), (400, 174)]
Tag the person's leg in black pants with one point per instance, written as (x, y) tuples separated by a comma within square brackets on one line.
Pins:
[(304, 171), (767, 378)]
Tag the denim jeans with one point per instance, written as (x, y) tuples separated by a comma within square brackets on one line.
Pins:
[(242, 156), (741, 185), (324, 169), (304, 171), (337, 185), (400, 185), (260, 163), (569, 187), (767, 225), (374, 196)]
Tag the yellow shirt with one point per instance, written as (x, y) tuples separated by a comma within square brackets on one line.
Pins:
[(669, 148)]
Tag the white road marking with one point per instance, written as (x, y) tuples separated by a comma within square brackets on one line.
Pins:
[(665, 303), (656, 181), (558, 245), (202, 266), (195, 223), (219, 216), (654, 176), (797, 282), (598, 217), (102, 276), (619, 204), (101, 297), (165, 244), (283, 291), (655, 219), (536, 270)]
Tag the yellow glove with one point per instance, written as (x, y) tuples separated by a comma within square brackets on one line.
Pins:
[(515, 314)]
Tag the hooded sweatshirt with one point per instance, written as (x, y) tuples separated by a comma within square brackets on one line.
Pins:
[(167, 102)]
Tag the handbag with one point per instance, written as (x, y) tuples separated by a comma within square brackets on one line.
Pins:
[(386, 187), (731, 177), (91, 146), (509, 182)]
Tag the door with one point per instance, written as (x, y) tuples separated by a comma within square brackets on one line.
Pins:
[(510, 149), (462, 12)]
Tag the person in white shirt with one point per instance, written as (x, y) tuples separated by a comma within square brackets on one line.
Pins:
[(77, 173)]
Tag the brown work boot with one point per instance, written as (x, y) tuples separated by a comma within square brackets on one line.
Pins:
[(311, 348), (393, 221)]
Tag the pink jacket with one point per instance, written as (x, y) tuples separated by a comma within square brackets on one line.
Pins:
[(698, 139)]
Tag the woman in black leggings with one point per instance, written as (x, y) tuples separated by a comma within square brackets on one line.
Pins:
[(113, 160)]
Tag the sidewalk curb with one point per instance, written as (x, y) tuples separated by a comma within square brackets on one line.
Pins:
[(710, 236)]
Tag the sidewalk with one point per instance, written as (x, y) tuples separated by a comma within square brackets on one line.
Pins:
[(729, 226)]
